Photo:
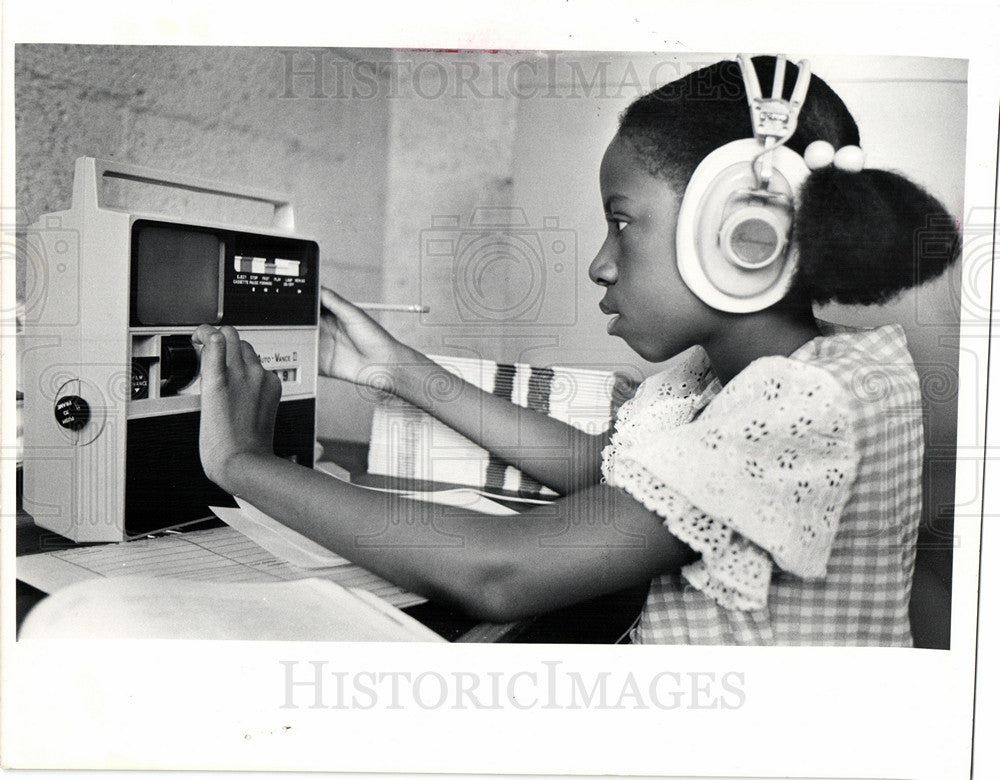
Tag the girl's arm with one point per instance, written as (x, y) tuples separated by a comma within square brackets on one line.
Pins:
[(355, 348), (592, 542)]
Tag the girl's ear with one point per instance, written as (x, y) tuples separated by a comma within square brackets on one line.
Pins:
[(733, 238)]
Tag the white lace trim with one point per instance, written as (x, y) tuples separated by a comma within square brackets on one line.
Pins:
[(665, 400), (731, 570), (762, 474)]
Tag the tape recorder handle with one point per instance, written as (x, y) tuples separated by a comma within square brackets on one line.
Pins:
[(90, 172)]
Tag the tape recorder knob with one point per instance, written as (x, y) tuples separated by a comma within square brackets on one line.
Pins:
[(178, 364), (72, 412)]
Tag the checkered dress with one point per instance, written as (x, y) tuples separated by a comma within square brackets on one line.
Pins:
[(800, 484)]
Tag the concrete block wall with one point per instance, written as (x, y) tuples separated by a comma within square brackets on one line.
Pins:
[(370, 144), (451, 149), (261, 117)]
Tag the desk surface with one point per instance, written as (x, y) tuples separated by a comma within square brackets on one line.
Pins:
[(600, 621)]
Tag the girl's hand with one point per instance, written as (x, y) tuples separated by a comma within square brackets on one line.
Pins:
[(354, 347), (239, 400)]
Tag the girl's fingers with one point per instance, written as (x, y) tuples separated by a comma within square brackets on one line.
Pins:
[(330, 325), (251, 360), (201, 335), (340, 307), (234, 349), (271, 397), (332, 302), (328, 319), (213, 356), (223, 353)]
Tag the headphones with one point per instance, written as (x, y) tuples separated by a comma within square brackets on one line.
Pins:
[(735, 220)]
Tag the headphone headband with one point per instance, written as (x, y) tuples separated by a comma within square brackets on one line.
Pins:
[(735, 221), (773, 119)]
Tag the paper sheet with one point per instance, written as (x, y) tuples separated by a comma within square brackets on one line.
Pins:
[(278, 539), (158, 608), (212, 555), (465, 498), (472, 499), (252, 548)]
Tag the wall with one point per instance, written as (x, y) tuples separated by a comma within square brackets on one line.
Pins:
[(451, 147), (263, 117)]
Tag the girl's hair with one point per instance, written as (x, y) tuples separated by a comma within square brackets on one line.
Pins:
[(862, 237)]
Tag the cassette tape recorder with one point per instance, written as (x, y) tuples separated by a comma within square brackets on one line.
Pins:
[(110, 375)]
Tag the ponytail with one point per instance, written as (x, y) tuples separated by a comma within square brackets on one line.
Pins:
[(863, 237)]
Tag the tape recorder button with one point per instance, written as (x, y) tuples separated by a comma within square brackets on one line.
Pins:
[(140, 377), (72, 412)]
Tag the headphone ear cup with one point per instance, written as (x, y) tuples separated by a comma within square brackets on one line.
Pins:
[(733, 247)]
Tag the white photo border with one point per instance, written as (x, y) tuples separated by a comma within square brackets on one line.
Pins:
[(802, 712)]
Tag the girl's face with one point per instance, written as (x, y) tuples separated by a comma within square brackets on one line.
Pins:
[(651, 307)]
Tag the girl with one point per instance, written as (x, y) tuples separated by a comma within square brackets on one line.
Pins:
[(766, 482)]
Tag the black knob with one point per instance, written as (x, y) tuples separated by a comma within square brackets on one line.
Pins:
[(178, 364), (72, 412)]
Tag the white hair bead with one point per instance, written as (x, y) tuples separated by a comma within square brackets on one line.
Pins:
[(850, 159), (819, 154)]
